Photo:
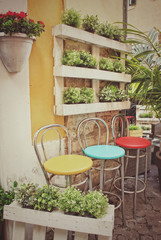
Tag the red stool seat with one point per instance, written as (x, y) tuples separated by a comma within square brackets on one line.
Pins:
[(133, 142)]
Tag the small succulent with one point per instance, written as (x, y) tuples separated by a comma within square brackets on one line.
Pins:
[(71, 201), (96, 204), (118, 66), (46, 198), (90, 23), (72, 18), (106, 64)]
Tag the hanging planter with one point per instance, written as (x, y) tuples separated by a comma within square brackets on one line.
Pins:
[(15, 50), (17, 34)]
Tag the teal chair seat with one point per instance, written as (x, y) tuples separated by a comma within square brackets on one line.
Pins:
[(104, 152)]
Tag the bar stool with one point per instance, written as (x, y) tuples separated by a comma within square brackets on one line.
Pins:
[(121, 138), (63, 164), (91, 127)]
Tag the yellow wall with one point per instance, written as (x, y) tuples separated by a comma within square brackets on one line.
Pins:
[(41, 64)]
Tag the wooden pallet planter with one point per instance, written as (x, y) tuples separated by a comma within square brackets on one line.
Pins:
[(63, 32), (62, 223)]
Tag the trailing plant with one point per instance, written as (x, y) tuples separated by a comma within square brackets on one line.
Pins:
[(134, 127), (106, 64), (13, 22), (90, 23), (110, 93), (96, 204), (72, 95), (46, 198), (6, 198), (118, 66), (72, 18), (71, 201), (86, 95), (79, 59), (76, 95), (25, 194)]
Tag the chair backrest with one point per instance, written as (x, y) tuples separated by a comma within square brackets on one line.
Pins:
[(92, 128), (119, 126), (41, 145)]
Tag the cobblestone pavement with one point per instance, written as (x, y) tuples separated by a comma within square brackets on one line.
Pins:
[(147, 225)]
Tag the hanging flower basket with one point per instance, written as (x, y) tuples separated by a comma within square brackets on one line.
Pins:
[(15, 50), (17, 34)]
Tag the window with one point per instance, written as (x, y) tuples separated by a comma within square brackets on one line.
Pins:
[(132, 3)]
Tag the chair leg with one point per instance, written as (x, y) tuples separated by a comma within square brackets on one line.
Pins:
[(122, 191), (101, 175), (136, 180), (145, 174)]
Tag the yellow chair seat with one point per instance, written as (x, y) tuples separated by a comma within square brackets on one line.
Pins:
[(68, 164)]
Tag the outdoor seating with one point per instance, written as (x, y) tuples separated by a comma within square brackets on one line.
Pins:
[(120, 131), (64, 164), (102, 151)]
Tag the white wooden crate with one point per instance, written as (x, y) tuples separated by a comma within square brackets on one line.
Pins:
[(62, 223)]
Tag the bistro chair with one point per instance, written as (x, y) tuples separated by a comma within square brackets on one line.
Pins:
[(91, 130), (49, 144), (120, 132)]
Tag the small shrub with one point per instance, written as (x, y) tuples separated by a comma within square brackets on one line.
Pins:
[(121, 95), (72, 95), (118, 34), (72, 18), (46, 198), (87, 60), (105, 30), (106, 64), (118, 66), (71, 201), (86, 95), (134, 127), (90, 23), (96, 204), (145, 115), (71, 58)]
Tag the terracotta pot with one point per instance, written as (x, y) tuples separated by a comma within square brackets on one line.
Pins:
[(15, 50)]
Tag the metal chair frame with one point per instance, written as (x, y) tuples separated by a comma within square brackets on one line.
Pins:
[(42, 132), (125, 124)]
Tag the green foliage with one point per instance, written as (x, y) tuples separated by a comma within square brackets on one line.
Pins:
[(110, 93), (134, 127), (71, 201), (106, 64), (145, 127), (145, 115), (72, 18), (25, 194), (118, 66), (90, 23), (46, 198), (86, 95), (75, 95), (12, 22), (6, 198), (79, 59), (72, 95), (96, 204)]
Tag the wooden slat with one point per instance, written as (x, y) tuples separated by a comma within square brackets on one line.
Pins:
[(67, 32), (18, 231), (80, 72), (60, 234), (81, 236), (39, 232), (74, 109), (104, 238)]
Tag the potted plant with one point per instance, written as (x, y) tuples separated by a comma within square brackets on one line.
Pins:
[(72, 18), (76, 95), (106, 64), (135, 130), (17, 33), (90, 23)]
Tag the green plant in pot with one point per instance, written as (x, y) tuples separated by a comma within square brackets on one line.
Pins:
[(118, 66), (86, 95), (90, 23), (72, 95), (105, 30), (106, 64), (108, 94), (72, 18)]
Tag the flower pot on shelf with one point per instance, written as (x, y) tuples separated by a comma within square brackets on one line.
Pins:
[(15, 50)]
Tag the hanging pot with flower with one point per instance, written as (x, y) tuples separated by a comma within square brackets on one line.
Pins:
[(17, 33)]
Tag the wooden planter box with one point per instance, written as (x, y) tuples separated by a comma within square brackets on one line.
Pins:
[(82, 226), (136, 133)]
